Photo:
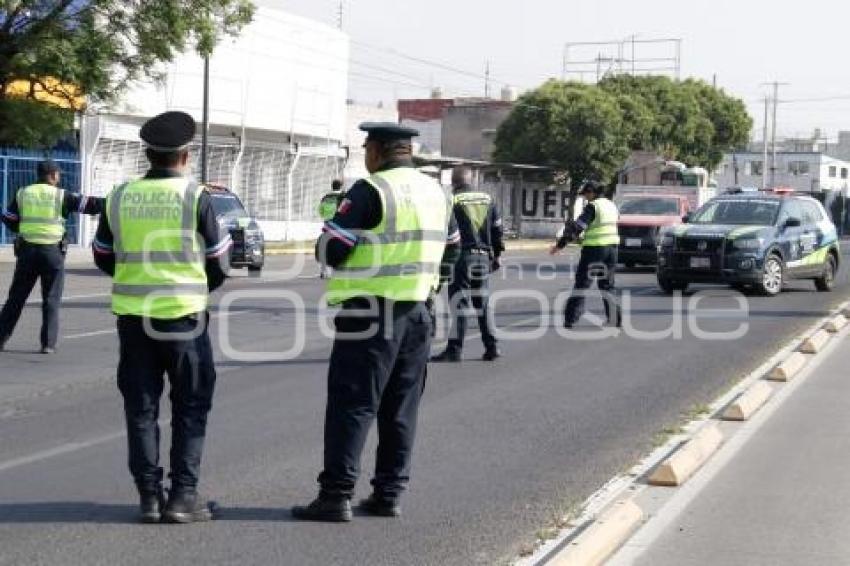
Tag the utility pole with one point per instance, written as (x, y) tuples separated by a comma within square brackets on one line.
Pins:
[(205, 126), (487, 80), (764, 143), (339, 14), (775, 85)]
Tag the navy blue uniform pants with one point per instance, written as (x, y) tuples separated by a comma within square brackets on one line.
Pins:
[(380, 374), (36, 262), (470, 283), (187, 360), (597, 263)]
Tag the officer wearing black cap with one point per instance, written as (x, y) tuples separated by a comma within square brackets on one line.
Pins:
[(387, 243), (161, 243), (38, 213), (598, 262), (481, 239)]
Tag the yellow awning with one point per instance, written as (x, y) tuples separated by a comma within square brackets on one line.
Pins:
[(56, 92)]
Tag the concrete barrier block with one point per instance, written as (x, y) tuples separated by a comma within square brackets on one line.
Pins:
[(789, 367), (815, 343), (748, 402), (836, 324), (676, 469), (603, 537)]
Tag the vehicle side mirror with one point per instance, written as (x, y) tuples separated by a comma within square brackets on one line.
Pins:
[(686, 218), (792, 223)]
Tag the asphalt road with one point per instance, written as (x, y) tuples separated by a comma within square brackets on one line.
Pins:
[(502, 448)]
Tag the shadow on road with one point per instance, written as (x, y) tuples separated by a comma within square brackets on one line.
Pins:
[(67, 512)]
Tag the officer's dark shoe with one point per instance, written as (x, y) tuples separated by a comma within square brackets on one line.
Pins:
[(3, 344), (186, 507), (151, 504), (380, 506), (447, 356), (491, 354), (48, 350), (326, 509), (569, 323)]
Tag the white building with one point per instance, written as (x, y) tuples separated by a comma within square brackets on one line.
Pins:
[(277, 119), (802, 171)]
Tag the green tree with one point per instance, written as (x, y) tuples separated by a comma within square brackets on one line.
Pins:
[(568, 126), (690, 120), (95, 49)]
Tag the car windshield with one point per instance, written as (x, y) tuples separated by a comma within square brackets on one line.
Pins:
[(650, 206), (756, 212), (227, 206)]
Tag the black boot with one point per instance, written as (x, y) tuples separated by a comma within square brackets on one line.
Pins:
[(380, 506), (491, 353), (326, 509), (186, 507), (448, 355), (151, 503)]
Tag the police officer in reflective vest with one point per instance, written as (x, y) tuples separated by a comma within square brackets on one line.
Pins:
[(327, 208), (161, 243), (330, 202), (598, 261), (481, 238), (386, 243), (38, 214)]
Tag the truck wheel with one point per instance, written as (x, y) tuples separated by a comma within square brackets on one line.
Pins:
[(630, 264), (826, 281), (670, 286), (255, 270), (772, 277)]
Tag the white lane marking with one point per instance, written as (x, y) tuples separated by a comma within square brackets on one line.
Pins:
[(66, 448), (103, 332)]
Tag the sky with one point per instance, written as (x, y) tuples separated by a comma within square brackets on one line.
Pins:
[(400, 49)]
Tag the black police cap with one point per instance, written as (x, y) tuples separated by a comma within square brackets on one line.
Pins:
[(592, 187), (47, 167), (169, 131), (387, 131)]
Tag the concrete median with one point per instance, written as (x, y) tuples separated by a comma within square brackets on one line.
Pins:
[(815, 343), (676, 469), (788, 368), (748, 402), (835, 324), (603, 537)]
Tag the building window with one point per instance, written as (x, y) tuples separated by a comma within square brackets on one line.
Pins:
[(833, 171), (844, 172), (798, 167), (754, 168)]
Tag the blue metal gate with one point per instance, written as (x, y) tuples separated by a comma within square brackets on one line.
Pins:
[(18, 169)]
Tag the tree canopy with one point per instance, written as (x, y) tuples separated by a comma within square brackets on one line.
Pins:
[(56, 53), (589, 130)]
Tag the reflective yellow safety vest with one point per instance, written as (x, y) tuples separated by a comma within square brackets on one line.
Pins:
[(603, 230), (159, 258), (399, 259), (40, 208), (475, 206), (329, 205)]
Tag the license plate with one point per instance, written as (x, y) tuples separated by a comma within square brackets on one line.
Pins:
[(634, 242), (700, 262)]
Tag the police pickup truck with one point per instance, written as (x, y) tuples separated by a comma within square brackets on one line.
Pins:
[(755, 240), (249, 248)]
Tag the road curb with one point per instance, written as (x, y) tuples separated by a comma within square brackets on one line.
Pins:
[(750, 401), (602, 537), (815, 343), (782, 367), (675, 470), (788, 368), (836, 324)]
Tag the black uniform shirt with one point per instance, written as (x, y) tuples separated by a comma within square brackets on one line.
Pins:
[(488, 236), (361, 210), (71, 203), (216, 240), (575, 227)]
